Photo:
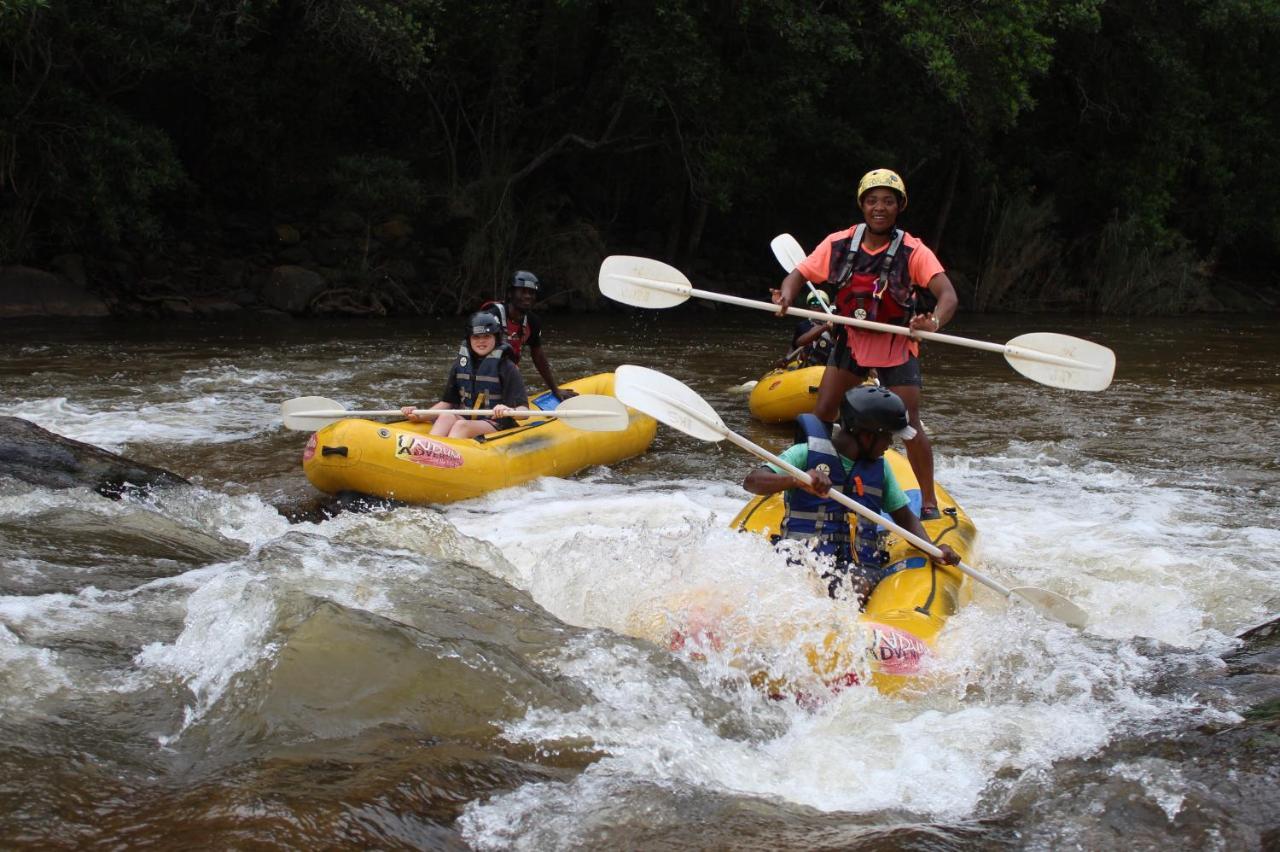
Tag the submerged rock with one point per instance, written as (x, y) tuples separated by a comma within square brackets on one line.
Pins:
[(1212, 786), (315, 509), (40, 457)]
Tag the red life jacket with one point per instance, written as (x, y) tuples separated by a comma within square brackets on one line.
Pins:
[(517, 333), (863, 280)]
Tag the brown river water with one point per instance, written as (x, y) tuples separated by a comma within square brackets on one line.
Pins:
[(191, 669)]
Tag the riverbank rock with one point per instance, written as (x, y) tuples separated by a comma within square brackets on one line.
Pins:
[(29, 292), (291, 289), (40, 457)]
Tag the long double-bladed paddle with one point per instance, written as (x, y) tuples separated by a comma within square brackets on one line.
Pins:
[(589, 412), (1056, 360), (672, 402)]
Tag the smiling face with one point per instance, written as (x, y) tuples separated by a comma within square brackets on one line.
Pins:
[(482, 344), (522, 298), (880, 208)]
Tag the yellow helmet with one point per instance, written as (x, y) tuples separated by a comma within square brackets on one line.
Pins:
[(882, 177)]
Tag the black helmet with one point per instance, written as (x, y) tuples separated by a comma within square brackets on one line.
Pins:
[(483, 322), (525, 278), (875, 409)]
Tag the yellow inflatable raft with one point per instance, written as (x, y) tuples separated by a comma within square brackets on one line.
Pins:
[(907, 610), (887, 645), (401, 461), (783, 394)]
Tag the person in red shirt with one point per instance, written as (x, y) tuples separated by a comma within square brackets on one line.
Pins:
[(880, 273)]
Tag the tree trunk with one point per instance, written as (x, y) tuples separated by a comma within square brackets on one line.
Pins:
[(944, 209), (699, 224), (674, 226)]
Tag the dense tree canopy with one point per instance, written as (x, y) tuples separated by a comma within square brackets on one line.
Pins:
[(1082, 152)]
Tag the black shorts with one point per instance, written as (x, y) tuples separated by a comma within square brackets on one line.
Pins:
[(498, 424), (890, 377)]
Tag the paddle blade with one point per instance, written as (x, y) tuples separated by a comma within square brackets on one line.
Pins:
[(299, 413), (613, 419), (642, 282), (787, 250), (668, 401), (1052, 606), (1094, 367)]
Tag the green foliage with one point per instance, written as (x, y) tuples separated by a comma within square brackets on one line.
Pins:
[(1154, 116), (691, 131), (1022, 264), (393, 37), (1127, 275), (376, 185)]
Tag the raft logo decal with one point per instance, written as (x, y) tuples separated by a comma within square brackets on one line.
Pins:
[(895, 651), (424, 451)]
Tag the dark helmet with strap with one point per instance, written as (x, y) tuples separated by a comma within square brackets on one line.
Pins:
[(872, 408), (483, 322), (525, 278)]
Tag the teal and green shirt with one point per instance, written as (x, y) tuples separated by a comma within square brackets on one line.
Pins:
[(894, 497)]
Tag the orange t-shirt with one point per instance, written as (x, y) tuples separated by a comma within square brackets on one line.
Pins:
[(876, 348)]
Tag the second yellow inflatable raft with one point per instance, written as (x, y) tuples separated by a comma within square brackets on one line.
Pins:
[(781, 395), (402, 461)]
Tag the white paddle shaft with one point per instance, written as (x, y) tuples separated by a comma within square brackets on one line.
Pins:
[(841, 498), (469, 412), (875, 517), (1002, 348)]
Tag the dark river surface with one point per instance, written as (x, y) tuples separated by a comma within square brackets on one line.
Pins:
[(190, 669)]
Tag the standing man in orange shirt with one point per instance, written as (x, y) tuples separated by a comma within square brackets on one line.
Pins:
[(884, 274)]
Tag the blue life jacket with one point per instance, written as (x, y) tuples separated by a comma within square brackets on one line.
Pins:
[(480, 383), (826, 521), (820, 350)]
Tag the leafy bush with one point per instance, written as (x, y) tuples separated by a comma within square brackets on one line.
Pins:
[(1023, 258)]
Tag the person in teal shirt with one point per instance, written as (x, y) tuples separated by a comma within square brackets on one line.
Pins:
[(852, 460)]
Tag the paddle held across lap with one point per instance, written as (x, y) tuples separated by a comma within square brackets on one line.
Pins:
[(1056, 360), (670, 401), (588, 412)]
